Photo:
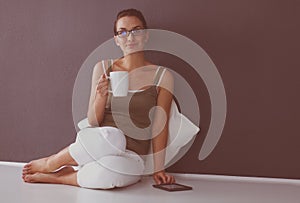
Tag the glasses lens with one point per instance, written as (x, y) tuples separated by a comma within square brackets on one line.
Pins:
[(138, 32), (122, 34), (135, 32)]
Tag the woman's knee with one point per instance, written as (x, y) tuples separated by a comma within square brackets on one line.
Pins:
[(103, 135), (93, 143)]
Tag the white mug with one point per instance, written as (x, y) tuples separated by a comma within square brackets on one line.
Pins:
[(119, 83)]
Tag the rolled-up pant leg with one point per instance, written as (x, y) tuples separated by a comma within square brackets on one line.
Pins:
[(103, 159), (111, 171)]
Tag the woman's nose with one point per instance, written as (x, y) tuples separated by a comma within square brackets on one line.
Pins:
[(130, 37)]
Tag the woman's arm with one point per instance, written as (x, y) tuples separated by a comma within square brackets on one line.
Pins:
[(159, 141), (98, 96)]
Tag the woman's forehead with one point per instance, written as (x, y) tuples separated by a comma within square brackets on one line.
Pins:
[(129, 22)]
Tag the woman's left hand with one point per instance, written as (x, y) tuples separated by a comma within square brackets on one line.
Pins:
[(162, 178)]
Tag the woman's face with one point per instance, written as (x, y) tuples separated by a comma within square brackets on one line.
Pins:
[(131, 36)]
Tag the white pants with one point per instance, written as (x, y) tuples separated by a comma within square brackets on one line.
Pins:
[(103, 160)]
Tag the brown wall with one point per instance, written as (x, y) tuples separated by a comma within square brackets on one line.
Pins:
[(254, 44)]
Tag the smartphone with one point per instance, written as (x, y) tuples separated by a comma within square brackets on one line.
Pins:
[(173, 187)]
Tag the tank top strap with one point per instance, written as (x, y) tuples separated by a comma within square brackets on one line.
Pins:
[(109, 65), (159, 75)]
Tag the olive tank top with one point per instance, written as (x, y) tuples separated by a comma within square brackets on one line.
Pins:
[(132, 114)]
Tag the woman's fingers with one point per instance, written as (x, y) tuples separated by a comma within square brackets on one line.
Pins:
[(173, 179), (103, 90), (102, 79), (170, 179), (167, 179), (102, 86), (157, 180), (163, 178)]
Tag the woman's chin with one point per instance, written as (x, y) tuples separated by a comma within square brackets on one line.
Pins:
[(132, 51)]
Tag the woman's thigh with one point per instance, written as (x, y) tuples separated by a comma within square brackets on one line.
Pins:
[(111, 171)]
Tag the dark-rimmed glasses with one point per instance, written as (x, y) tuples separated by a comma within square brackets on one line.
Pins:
[(134, 32)]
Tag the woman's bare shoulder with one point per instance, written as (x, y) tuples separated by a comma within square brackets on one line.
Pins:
[(100, 65), (98, 69)]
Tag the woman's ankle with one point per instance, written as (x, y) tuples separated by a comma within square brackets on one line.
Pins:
[(51, 164)]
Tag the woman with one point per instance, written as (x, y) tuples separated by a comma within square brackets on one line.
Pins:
[(102, 152)]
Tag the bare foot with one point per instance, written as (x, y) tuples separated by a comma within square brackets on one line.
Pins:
[(39, 165), (40, 178), (54, 177), (49, 164)]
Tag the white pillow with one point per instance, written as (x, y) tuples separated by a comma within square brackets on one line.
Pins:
[(83, 124), (181, 132)]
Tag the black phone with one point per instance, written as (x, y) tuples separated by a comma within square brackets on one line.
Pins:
[(173, 187)]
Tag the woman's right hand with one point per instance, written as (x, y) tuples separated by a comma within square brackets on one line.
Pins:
[(102, 86)]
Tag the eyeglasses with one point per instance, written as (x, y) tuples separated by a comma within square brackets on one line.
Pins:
[(134, 32)]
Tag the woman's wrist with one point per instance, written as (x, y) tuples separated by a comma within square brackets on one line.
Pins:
[(157, 172), (97, 111), (100, 102)]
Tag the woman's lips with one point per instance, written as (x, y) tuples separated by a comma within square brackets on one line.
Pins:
[(131, 45)]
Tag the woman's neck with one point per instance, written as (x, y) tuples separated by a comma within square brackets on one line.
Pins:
[(133, 61)]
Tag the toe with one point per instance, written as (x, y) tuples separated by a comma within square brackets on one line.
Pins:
[(27, 178), (25, 169), (27, 166), (23, 177)]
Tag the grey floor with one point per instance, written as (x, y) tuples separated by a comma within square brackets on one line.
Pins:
[(206, 188)]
